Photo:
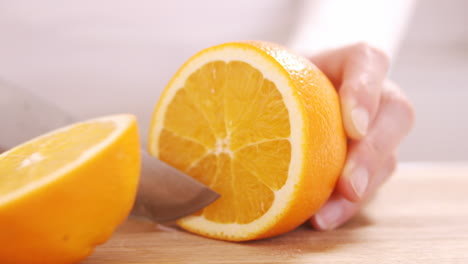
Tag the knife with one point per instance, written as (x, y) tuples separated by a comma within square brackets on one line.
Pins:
[(164, 193)]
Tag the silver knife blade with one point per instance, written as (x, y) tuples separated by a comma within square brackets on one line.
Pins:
[(173, 187), (164, 193)]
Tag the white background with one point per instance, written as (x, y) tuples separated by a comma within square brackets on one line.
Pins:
[(96, 57)]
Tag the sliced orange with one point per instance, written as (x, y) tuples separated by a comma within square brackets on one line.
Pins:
[(63, 193), (261, 126)]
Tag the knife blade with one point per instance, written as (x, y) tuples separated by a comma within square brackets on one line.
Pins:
[(164, 193)]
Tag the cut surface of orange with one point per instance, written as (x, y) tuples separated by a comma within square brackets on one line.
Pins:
[(65, 192), (259, 125)]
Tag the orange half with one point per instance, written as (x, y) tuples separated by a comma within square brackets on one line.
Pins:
[(259, 125)]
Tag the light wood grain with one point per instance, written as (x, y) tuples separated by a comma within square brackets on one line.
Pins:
[(419, 216)]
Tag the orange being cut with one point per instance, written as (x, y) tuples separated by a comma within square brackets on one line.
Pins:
[(259, 125), (63, 193)]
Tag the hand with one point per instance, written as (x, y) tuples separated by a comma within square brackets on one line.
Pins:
[(376, 117)]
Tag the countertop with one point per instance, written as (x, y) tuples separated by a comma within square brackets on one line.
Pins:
[(419, 216)]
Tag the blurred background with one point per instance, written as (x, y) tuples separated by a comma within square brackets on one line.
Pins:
[(432, 67), (99, 57)]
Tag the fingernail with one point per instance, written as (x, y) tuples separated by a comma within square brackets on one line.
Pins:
[(359, 180), (360, 118), (329, 216)]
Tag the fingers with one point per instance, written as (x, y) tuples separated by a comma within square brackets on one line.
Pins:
[(364, 73), (359, 71), (394, 119), (334, 213), (376, 117), (339, 210)]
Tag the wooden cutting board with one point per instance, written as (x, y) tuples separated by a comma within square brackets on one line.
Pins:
[(419, 216)]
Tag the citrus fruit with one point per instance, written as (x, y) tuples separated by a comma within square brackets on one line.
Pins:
[(259, 125), (65, 192)]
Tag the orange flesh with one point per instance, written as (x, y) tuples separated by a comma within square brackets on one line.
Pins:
[(236, 129), (22, 166)]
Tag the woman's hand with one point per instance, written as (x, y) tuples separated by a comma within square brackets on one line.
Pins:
[(376, 117)]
